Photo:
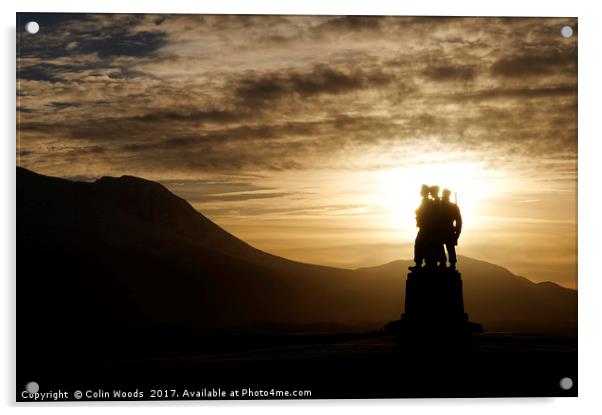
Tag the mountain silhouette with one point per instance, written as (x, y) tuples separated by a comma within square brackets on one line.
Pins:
[(121, 257)]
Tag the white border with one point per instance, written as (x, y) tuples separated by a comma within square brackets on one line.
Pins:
[(590, 160)]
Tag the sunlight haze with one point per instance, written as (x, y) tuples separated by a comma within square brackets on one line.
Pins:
[(309, 136)]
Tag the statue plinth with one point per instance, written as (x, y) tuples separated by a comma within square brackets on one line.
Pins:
[(434, 303)]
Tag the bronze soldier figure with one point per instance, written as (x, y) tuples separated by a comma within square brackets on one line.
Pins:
[(436, 250), (451, 221), (439, 224), (422, 213)]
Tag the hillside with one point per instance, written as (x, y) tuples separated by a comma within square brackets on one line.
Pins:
[(124, 258)]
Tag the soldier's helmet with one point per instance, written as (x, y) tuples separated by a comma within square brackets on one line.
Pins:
[(446, 194), (434, 191), (424, 190)]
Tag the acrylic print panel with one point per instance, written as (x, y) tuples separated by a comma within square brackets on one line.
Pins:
[(295, 207)]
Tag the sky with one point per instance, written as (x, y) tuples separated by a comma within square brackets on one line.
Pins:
[(309, 136)]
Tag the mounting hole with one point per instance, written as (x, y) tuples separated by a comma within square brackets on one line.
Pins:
[(566, 31), (566, 383), (32, 387), (32, 27)]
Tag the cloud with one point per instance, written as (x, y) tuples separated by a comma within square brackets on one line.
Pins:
[(536, 64), (63, 105), (47, 72), (350, 24), (520, 92), (194, 93), (240, 197), (288, 119), (104, 34), (322, 79), (450, 73)]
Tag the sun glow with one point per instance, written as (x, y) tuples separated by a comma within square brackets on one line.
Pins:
[(400, 188)]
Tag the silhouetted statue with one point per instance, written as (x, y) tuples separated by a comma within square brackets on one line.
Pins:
[(423, 214), (434, 299), (436, 255), (439, 223), (451, 226)]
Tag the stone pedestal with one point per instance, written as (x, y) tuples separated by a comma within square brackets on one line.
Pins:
[(434, 303)]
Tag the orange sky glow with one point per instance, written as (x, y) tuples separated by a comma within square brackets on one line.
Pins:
[(309, 136)]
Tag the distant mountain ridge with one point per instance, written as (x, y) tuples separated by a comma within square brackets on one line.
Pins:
[(124, 253)]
